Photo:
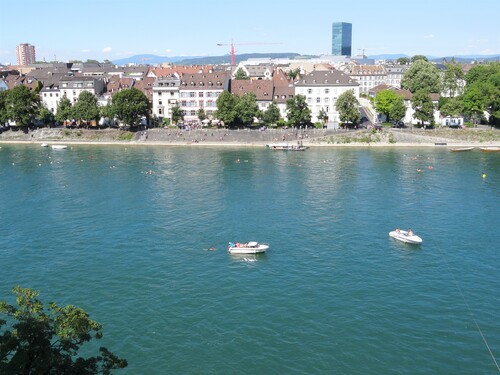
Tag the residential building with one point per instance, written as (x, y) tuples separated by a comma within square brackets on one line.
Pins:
[(263, 90), (25, 54), (368, 76), (395, 74), (72, 87), (341, 39), (322, 90), (165, 95), (284, 90), (50, 96), (201, 90)]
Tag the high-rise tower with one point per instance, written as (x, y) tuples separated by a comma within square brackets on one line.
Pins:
[(341, 39), (25, 54)]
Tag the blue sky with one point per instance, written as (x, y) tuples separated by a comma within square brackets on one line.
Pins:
[(113, 29)]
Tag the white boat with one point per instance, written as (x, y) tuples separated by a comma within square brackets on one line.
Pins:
[(286, 147), (460, 149), (404, 236), (59, 147), (278, 146), (247, 248), (490, 149), (44, 145)]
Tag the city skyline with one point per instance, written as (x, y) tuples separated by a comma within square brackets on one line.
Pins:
[(116, 29)]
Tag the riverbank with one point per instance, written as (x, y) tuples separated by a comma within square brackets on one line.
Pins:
[(258, 138)]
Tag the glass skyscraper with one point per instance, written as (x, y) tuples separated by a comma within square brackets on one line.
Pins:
[(341, 38)]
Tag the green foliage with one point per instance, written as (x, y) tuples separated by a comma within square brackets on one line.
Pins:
[(347, 106), (323, 116), (64, 110), (46, 116), (403, 61), (451, 107), (247, 109), (125, 136), (177, 114), (423, 106), (422, 75), (22, 105), (240, 74), (4, 116), (419, 57), (298, 112), (201, 114), (294, 73), (226, 108), (86, 108), (271, 115), (234, 110), (46, 340), (389, 103), (452, 78), (482, 92), (130, 106)]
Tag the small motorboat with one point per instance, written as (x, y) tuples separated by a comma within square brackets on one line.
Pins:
[(461, 149), (59, 147), (490, 149), (405, 236), (247, 248), (44, 145)]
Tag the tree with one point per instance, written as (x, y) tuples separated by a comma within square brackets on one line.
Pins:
[(4, 117), (451, 107), (418, 57), (130, 106), (389, 103), (64, 110), (226, 108), (294, 73), (247, 109), (271, 115), (347, 106), (240, 74), (403, 61), (177, 114), (298, 113), (422, 75), (482, 91), (46, 340), (201, 114), (22, 105), (46, 116), (452, 79), (423, 107), (323, 116), (86, 108)]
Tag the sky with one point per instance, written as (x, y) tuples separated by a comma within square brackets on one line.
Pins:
[(113, 29)]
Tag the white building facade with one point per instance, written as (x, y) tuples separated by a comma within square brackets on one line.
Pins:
[(322, 90)]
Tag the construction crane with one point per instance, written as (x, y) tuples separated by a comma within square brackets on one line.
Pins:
[(240, 44)]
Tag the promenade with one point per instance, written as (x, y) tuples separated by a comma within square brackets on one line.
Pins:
[(260, 138)]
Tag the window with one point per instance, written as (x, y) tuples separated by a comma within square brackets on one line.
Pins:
[(318, 100), (200, 94), (327, 91), (160, 111), (159, 93), (160, 102), (309, 91), (192, 94)]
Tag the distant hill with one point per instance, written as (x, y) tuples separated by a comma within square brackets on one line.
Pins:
[(199, 60), (226, 59), (458, 58)]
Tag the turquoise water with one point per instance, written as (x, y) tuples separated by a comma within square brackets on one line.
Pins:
[(122, 232)]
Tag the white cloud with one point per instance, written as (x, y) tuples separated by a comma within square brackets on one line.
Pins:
[(107, 49), (168, 50), (85, 51), (429, 36)]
